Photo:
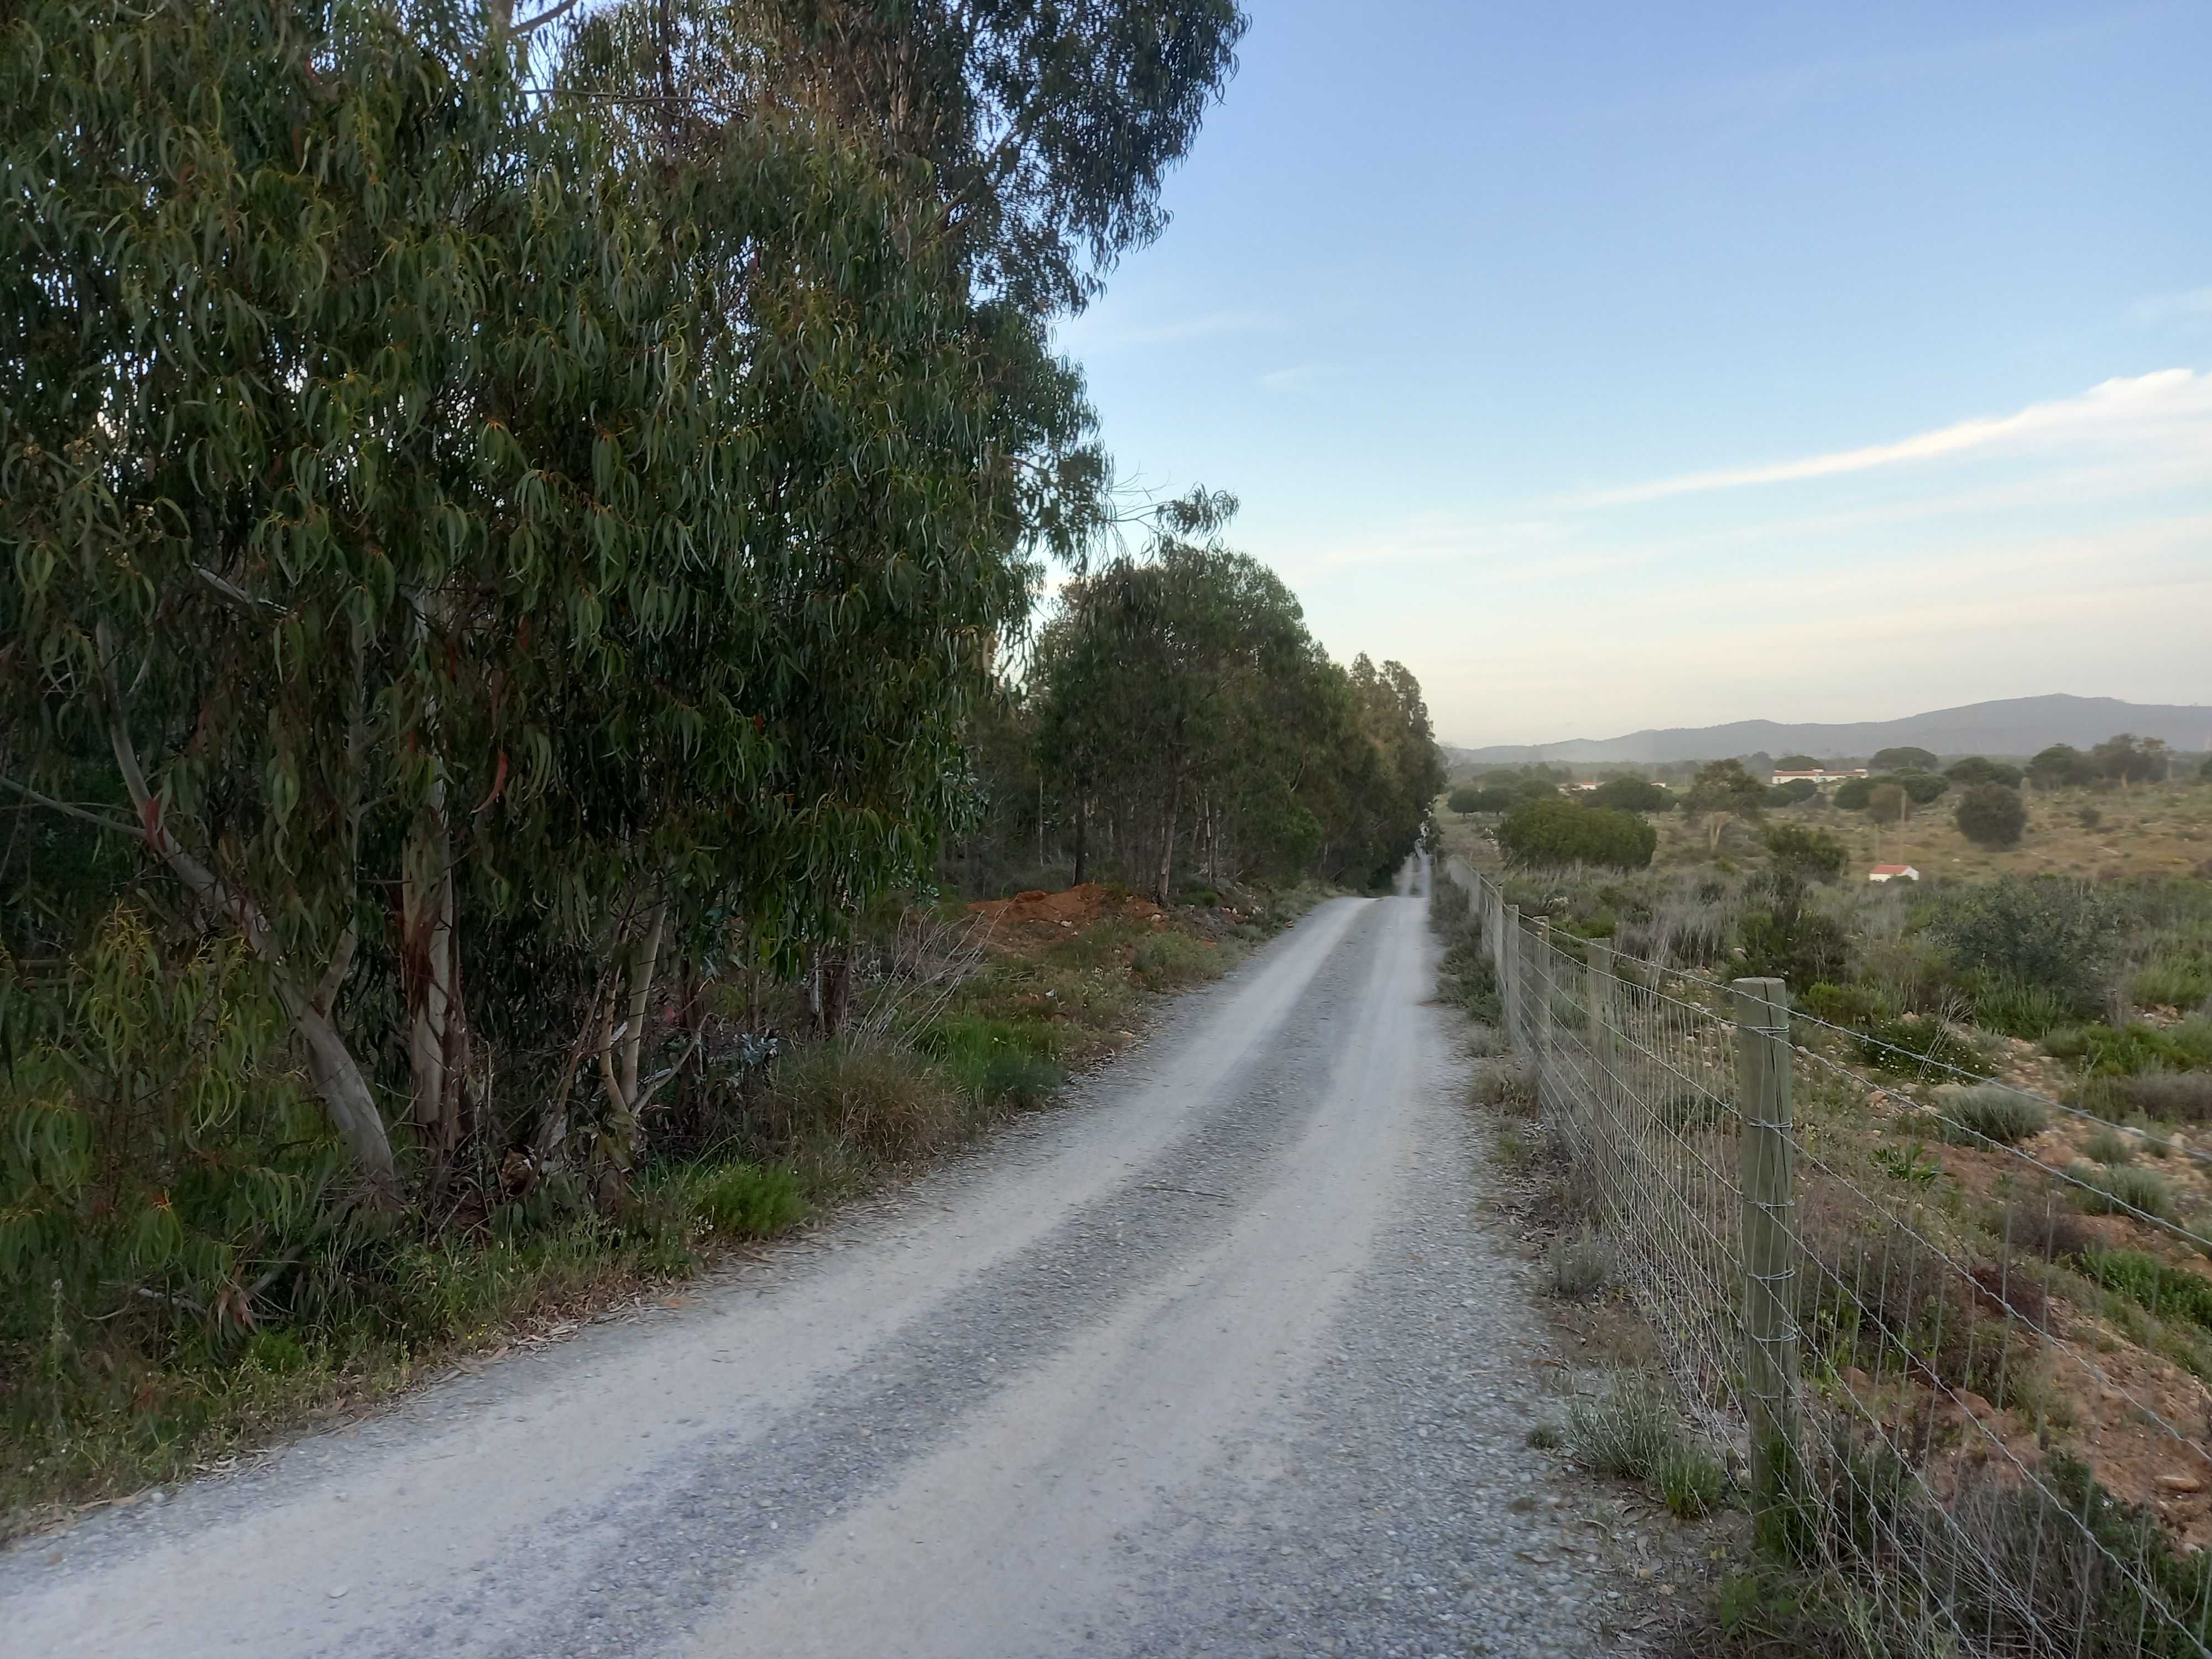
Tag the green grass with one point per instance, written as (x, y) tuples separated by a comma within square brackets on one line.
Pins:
[(1632, 1433), (2129, 1188), (2166, 1292), (1171, 961), (2133, 1049)]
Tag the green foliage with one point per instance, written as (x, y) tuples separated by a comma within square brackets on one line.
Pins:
[(1632, 795), (1557, 831), (1992, 815), (1465, 799), (1990, 1111), (1794, 793), (1494, 799), (1887, 802), (1854, 794), (2019, 1009), (2132, 1049), (1633, 1433), (1803, 855), (1577, 1265), (1905, 759), (2127, 759), (2042, 931), (745, 1201), (1723, 790), (2061, 766), (2128, 1188), (1169, 961), (1975, 768), (2168, 1292)]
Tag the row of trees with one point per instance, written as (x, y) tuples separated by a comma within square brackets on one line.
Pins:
[(1175, 718), (493, 524)]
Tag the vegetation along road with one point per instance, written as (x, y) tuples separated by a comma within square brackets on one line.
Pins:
[(1213, 1357)]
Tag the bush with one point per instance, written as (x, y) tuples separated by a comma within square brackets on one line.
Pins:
[(2109, 1146), (1633, 1434), (1805, 854), (1632, 795), (1921, 787), (2168, 1292), (1990, 1111), (1976, 769), (1905, 758), (2045, 930), (1853, 794), (2128, 1188), (1990, 815), (841, 1108), (2170, 1096), (1554, 831), (1576, 1268), (1169, 961), (2134, 1049), (2019, 1010), (1465, 799), (1792, 793)]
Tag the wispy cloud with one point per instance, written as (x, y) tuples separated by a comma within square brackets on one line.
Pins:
[(2192, 305), (1092, 331), (2179, 398)]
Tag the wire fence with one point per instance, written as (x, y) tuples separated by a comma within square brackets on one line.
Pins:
[(1956, 1332)]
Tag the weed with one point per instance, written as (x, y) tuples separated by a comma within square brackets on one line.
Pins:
[(2169, 1096), (2129, 1189), (1990, 1111), (2109, 1147), (2168, 1292), (1909, 1164), (1579, 1266), (747, 1200), (1169, 961), (1632, 1433), (1546, 1437), (1504, 1085)]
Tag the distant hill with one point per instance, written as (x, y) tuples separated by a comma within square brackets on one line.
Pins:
[(2012, 726)]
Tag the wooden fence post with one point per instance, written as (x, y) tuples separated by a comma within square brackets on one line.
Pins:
[(1539, 1044), (1605, 1093), (1509, 938), (1770, 1236)]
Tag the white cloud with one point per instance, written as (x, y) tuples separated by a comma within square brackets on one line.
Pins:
[(2173, 398), (2196, 302), (1096, 331)]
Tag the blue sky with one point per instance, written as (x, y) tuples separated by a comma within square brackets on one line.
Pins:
[(1619, 365)]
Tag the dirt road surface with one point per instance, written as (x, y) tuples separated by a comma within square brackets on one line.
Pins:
[(1215, 1358)]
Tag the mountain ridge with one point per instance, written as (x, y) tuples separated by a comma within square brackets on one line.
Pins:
[(2005, 726)]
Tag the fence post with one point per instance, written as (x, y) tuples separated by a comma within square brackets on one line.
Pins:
[(1539, 1046), (1770, 1236), (1508, 985), (1605, 1088)]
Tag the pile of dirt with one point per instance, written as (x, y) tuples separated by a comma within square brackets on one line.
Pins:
[(1078, 907)]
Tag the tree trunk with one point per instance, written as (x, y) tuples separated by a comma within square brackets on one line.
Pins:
[(1167, 844), (427, 958), (1082, 828), (338, 1078)]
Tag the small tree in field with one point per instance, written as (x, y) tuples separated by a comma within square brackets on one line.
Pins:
[(1803, 855), (1990, 815), (1724, 791), (1887, 804)]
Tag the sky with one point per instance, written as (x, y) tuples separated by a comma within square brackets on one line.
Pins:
[(1616, 366)]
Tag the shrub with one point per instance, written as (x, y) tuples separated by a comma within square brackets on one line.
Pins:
[(2019, 1010), (1576, 1268), (2170, 1096), (1853, 794), (1169, 961), (2109, 1147), (1913, 1041), (1805, 854), (1921, 787), (1556, 831), (2169, 1292), (1904, 758), (1465, 799), (2045, 930), (2089, 817), (1990, 815), (844, 1106), (1632, 1433), (2129, 1188), (1633, 795), (1976, 769), (1990, 1111), (2134, 1049), (1792, 793), (1887, 803)]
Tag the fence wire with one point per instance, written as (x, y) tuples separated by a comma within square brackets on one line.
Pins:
[(1986, 1359)]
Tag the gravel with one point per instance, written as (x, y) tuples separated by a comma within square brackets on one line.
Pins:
[(1227, 1356)]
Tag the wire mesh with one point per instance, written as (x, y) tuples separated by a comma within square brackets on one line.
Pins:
[(1994, 1356)]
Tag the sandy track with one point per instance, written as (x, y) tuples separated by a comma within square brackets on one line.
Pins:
[(1211, 1356)]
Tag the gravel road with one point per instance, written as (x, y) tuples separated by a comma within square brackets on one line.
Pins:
[(1217, 1358)]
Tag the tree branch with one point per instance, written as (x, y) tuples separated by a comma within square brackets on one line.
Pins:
[(65, 809)]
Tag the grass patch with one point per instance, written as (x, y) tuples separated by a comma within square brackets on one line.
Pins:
[(1990, 1111), (2166, 1292), (2129, 1190), (1578, 1268), (1632, 1433), (1169, 961)]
